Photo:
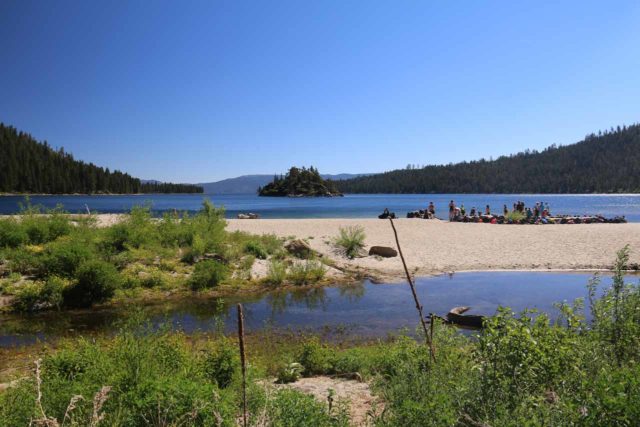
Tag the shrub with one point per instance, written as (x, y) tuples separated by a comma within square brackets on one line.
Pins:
[(33, 296), (256, 249), (277, 272), (208, 274), (307, 272), (96, 283), (292, 408), (351, 241), (222, 364), (12, 234), (155, 279), (63, 257), (316, 358), (290, 372)]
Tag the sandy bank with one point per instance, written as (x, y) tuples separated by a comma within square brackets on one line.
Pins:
[(436, 246)]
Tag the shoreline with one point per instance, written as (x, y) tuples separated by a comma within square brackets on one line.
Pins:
[(433, 247)]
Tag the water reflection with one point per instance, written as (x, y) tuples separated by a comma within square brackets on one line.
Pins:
[(364, 310)]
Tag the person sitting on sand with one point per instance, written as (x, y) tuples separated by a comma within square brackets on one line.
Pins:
[(536, 210), (432, 209), (463, 211), (473, 212), (529, 213)]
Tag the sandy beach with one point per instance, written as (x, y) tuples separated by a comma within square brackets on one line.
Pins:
[(435, 246)]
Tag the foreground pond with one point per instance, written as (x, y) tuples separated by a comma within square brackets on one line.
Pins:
[(365, 310)]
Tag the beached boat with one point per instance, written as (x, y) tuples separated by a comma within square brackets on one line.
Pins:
[(456, 316)]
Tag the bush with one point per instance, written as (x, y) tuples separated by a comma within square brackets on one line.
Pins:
[(292, 408), (12, 234), (307, 272), (33, 296), (277, 272), (351, 241), (256, 249), (96, 283), (316, 358), (63, 257), (222, 364), (208, 274)]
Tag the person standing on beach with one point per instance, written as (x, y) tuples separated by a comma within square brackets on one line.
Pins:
[(432, 210), (463, 211), (505, 210), (452, 208), (487, 210)]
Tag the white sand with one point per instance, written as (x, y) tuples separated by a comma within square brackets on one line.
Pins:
[(435, 246)]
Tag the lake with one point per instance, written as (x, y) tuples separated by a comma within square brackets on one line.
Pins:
[(350, 206), (366, 310)]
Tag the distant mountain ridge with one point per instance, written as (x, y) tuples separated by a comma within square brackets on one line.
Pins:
[(607, 162), (249, 184)]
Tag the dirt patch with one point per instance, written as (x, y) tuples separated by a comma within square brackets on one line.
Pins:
[(363, 405)]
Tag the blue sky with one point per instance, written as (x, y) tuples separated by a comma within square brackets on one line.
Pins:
[(200, 91)]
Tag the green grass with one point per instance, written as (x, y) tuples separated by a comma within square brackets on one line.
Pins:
[(351, 241)]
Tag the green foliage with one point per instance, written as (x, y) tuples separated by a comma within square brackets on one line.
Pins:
[(603, 163), (306, 272), (64, 256), (208, 274), (316, 358), (256, 249), (292, 408), (222, 364), (299, 182), (351, 240), (616, 315), (290, 372), (12, 234), (277, 273), (96, 283), (33, 296)]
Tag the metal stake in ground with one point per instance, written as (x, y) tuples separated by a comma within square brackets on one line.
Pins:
[(243, 362), (427, 338)]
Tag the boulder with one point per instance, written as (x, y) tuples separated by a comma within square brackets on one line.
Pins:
[(299, 248), (383, 251)]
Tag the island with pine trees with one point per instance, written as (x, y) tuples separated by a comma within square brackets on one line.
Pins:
[(300, 182)]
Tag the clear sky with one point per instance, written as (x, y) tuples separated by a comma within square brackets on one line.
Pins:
[(194, 91)]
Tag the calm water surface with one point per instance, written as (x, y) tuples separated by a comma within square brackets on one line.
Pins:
[(350, 206), (364, 311)]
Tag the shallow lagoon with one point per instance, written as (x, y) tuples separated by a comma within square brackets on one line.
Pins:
[(367, 310)]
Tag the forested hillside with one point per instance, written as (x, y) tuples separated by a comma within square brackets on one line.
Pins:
[(608, 162), (28, 166)]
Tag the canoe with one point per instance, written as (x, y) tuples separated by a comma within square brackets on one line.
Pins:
[(456, 316)]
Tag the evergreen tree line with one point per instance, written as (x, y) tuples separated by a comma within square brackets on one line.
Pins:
[(299, 182), (29, 166), (608, 162)]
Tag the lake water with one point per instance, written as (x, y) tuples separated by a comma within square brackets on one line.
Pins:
[(350, 206), (363, 311)]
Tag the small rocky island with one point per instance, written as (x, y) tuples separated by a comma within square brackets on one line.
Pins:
[(300, 182)]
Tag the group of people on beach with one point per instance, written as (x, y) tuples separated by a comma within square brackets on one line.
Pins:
[(540, 211)]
